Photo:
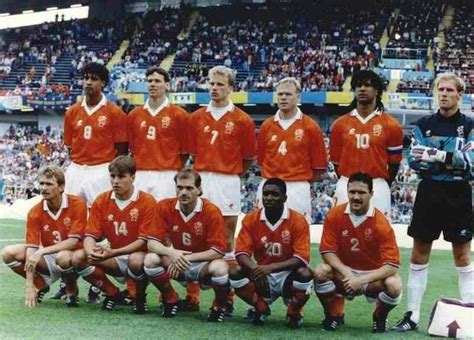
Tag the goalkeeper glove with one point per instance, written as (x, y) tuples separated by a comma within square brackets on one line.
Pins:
[(430, 155)]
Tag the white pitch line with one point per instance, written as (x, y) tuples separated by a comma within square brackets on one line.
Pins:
[(11, 239)]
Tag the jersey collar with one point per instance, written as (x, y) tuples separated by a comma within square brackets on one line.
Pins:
[(96, 108), (299, 115), (284, 216), (64, 205), (132, 198), (155, 112), (218, 112), (197, 209), (355, 113), (358, 220)]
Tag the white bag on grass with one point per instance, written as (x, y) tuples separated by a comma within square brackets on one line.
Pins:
[(452, 318)]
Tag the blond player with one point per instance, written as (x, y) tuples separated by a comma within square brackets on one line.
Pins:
[(291, 147)]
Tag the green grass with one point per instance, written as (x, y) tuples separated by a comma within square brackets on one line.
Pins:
[(53, 320)]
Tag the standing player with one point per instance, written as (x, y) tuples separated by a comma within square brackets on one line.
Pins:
[(223, 142), (95, 132), (195, 228), (291, 147), (278, 238), (156, 133), (442, 152), (122, 216), (367, 139), (53, 230), (361, 256)]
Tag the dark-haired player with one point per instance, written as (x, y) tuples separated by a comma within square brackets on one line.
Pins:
[(361, 257), (367, 139), (273, 252)]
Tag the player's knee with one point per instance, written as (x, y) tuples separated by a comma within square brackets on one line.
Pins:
[(136, 262), (462, 259), (151, 260), (393, 285), (236, 273), (8, 254), (322, 273), (79, 259), (218, 268), (64, 259), (303, 275), (420, 253)]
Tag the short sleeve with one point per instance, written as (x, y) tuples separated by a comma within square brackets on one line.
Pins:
[(301, 242), (248, 142), (336, 141), (319, 159), (94, 224), (158, 229), (79, 219), (33, 232), (244, 243), (120, 126), (329, 242), (216, 233)]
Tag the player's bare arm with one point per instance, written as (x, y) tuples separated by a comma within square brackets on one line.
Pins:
[(204, 256), (33, 260), (30, 290), (333, 260)]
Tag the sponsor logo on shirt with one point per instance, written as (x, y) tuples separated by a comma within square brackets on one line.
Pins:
[(110, 217), (46, 227)]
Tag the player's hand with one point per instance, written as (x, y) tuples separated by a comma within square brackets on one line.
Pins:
[(260, 272), (31, 298), (30, 265), (425, 154), (179, 260), (173, 271), (96, 255), (353, 285)]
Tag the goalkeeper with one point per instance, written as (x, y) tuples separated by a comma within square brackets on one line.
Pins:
[(442, 152)]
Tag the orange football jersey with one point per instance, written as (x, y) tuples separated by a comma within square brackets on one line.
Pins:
[(288, 238), (157, 141), (46, 229), (121, 227), (291, 154), (92, 137), (368, 246), (366, 145), (221, 145), (201, 230)]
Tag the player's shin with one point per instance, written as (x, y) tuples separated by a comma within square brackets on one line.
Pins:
[(220, 285), (300, 293), (97, 277), (466, 283), (69, 276), (326, 293), (245, 289), (160, 278), (385, 304), (19, 268)]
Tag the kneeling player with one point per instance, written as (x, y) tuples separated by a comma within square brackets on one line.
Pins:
[(361, 255), (53, 231), (121, 216), (195, 228), (278, 238)]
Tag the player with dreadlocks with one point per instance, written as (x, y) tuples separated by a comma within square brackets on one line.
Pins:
[(367, 139)]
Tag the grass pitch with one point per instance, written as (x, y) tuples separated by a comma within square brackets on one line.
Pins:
[(53, 320)]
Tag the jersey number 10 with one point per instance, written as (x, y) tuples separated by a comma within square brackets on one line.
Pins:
[(362, 140)]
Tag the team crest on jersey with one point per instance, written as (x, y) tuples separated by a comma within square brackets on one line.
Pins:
[(263, 240), (274, 138), (79, 123), (101, 121), (110, 217), (352, 131), (198, 228), (286, 236), (134, 215), (460, 131), (229, 128), (368, 234), (175, 228), (345, 232), (299, 134), (143, 124), (67, 222), (165, 122), (377, 130), (207, 128)]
